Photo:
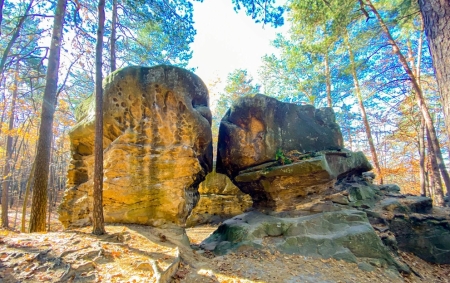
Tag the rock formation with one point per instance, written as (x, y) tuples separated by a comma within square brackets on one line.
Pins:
[(256, 127), (355, 221), (219, 200), (345, 235), (282, 153), (289, 187), (312, 196), (157, 148)]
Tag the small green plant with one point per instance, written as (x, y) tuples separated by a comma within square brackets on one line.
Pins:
[(281, 157)]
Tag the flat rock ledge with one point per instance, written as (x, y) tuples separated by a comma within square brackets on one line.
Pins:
[(275, 187), (344, 235)]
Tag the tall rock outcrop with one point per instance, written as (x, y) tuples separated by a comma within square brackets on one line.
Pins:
[(283, 154), (157, 148), (258, 126)]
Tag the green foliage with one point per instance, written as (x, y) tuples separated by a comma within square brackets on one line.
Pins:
[(161, 32), (297, 73), (281, 157), (262, 11)]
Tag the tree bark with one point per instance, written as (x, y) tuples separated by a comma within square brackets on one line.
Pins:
[(423, 191), (113, 36), (25, 198), (39, 197), (97, 217), (9, 151), (419, 98), (328, 79), (434, 177), (363, 110), (436, 16)]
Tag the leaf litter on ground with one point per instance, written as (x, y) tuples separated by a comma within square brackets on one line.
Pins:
[(135, 253)]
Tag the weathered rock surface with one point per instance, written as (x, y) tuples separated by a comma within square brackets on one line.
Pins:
[(157, 148), (402, 222), (409, 223), (256, 127), (288, 187), (345, 235), (219, 200), (312, 196), (283, 154), (405, 222)]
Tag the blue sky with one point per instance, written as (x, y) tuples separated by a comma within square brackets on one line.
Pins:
[(227, 40)]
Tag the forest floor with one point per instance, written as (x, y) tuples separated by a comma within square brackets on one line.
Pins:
[(136, 253)]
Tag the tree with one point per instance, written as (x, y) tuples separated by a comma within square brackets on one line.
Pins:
[(113, 36), (431, 131), (239, 84), (97, 215), (262, 11), (39, 197), (1, 14), (362, 109), (14, 37), (301, 73), (151, 32), (9, 151), (436, 16)]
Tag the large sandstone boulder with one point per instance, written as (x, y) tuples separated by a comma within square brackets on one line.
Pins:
[(219, 200), (282, 154), (256, 127), (157, 148)]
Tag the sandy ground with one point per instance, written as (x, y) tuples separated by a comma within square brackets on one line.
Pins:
[(135, 253)]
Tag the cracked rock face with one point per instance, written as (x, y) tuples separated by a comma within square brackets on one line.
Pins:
[(256, 137), (256, 127), (157, 148)]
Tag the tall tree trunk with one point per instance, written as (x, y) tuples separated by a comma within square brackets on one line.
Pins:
[(39, 198), (50, 185), (113, 36), (422, 159), (436, 16), (328, 79), (363, 110), (97, 217), (419, 97), (9, 150), (421, 134), (434, 177), (25, 198)]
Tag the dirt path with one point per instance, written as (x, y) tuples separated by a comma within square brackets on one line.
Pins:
[(134, 253)]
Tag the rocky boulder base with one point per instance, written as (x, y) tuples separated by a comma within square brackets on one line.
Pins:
[(157, 148), (342, 235), (349, 222), (219, 200), (313, 197)]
